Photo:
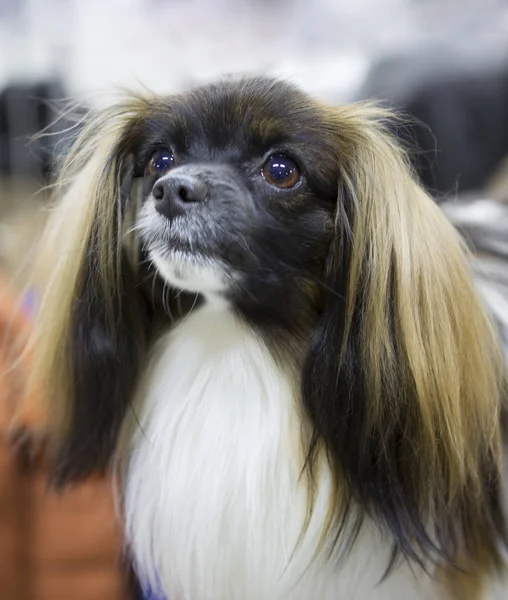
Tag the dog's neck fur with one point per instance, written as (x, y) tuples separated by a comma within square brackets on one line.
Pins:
[(215, 498)]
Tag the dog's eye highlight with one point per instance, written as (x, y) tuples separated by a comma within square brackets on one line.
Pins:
[(160, 162), (281, 171)]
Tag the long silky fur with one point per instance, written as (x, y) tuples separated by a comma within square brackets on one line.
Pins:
[(403, 381), (89, 339)]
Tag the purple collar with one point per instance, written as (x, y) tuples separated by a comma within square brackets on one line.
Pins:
[(151, 596)]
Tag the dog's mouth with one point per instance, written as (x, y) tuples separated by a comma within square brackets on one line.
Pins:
[(183, 234), (179, 251), (196, 251), (179, 246)]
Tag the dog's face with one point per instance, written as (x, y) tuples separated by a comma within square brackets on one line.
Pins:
[(244, 192)]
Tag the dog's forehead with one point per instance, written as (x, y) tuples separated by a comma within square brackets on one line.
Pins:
[(254, 110), (260, 95)]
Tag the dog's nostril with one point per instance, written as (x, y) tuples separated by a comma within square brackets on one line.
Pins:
[(192, 192), (158, 191), (184, 194)]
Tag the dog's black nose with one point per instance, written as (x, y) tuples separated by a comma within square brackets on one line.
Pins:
[(174, 195)]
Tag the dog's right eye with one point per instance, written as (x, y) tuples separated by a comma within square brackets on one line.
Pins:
[(281, 171), (160, 162)]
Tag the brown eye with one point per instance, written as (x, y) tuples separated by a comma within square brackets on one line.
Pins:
[(281, 171), (161, 161)]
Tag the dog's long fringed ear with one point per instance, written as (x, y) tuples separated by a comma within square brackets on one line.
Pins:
[(89, 333), (404, 380)]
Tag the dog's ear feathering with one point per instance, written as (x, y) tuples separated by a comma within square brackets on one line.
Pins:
[(89, 337), (404, 380)]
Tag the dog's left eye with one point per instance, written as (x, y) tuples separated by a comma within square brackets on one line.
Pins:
[(281, 171), (160, 162)]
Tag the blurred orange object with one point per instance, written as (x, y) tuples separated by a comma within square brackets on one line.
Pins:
[(53, 546)]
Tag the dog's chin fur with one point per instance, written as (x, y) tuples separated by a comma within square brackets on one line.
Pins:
[(301, 387), (191, 274)]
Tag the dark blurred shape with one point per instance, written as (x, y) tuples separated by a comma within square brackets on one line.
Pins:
[(458, 109), (26, 110)]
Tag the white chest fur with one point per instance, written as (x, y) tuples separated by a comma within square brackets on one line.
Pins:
[(214, 502)]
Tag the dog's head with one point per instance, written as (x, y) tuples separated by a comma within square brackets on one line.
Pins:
[(243, 202), (307, 221)]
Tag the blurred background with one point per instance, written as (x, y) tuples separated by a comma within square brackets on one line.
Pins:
[(443, 63)]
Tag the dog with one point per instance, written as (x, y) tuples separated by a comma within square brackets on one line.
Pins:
[(253, 312)]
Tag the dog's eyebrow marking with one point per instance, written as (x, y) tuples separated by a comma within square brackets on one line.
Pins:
[(171, 128), (266, 126), (266, 132)]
